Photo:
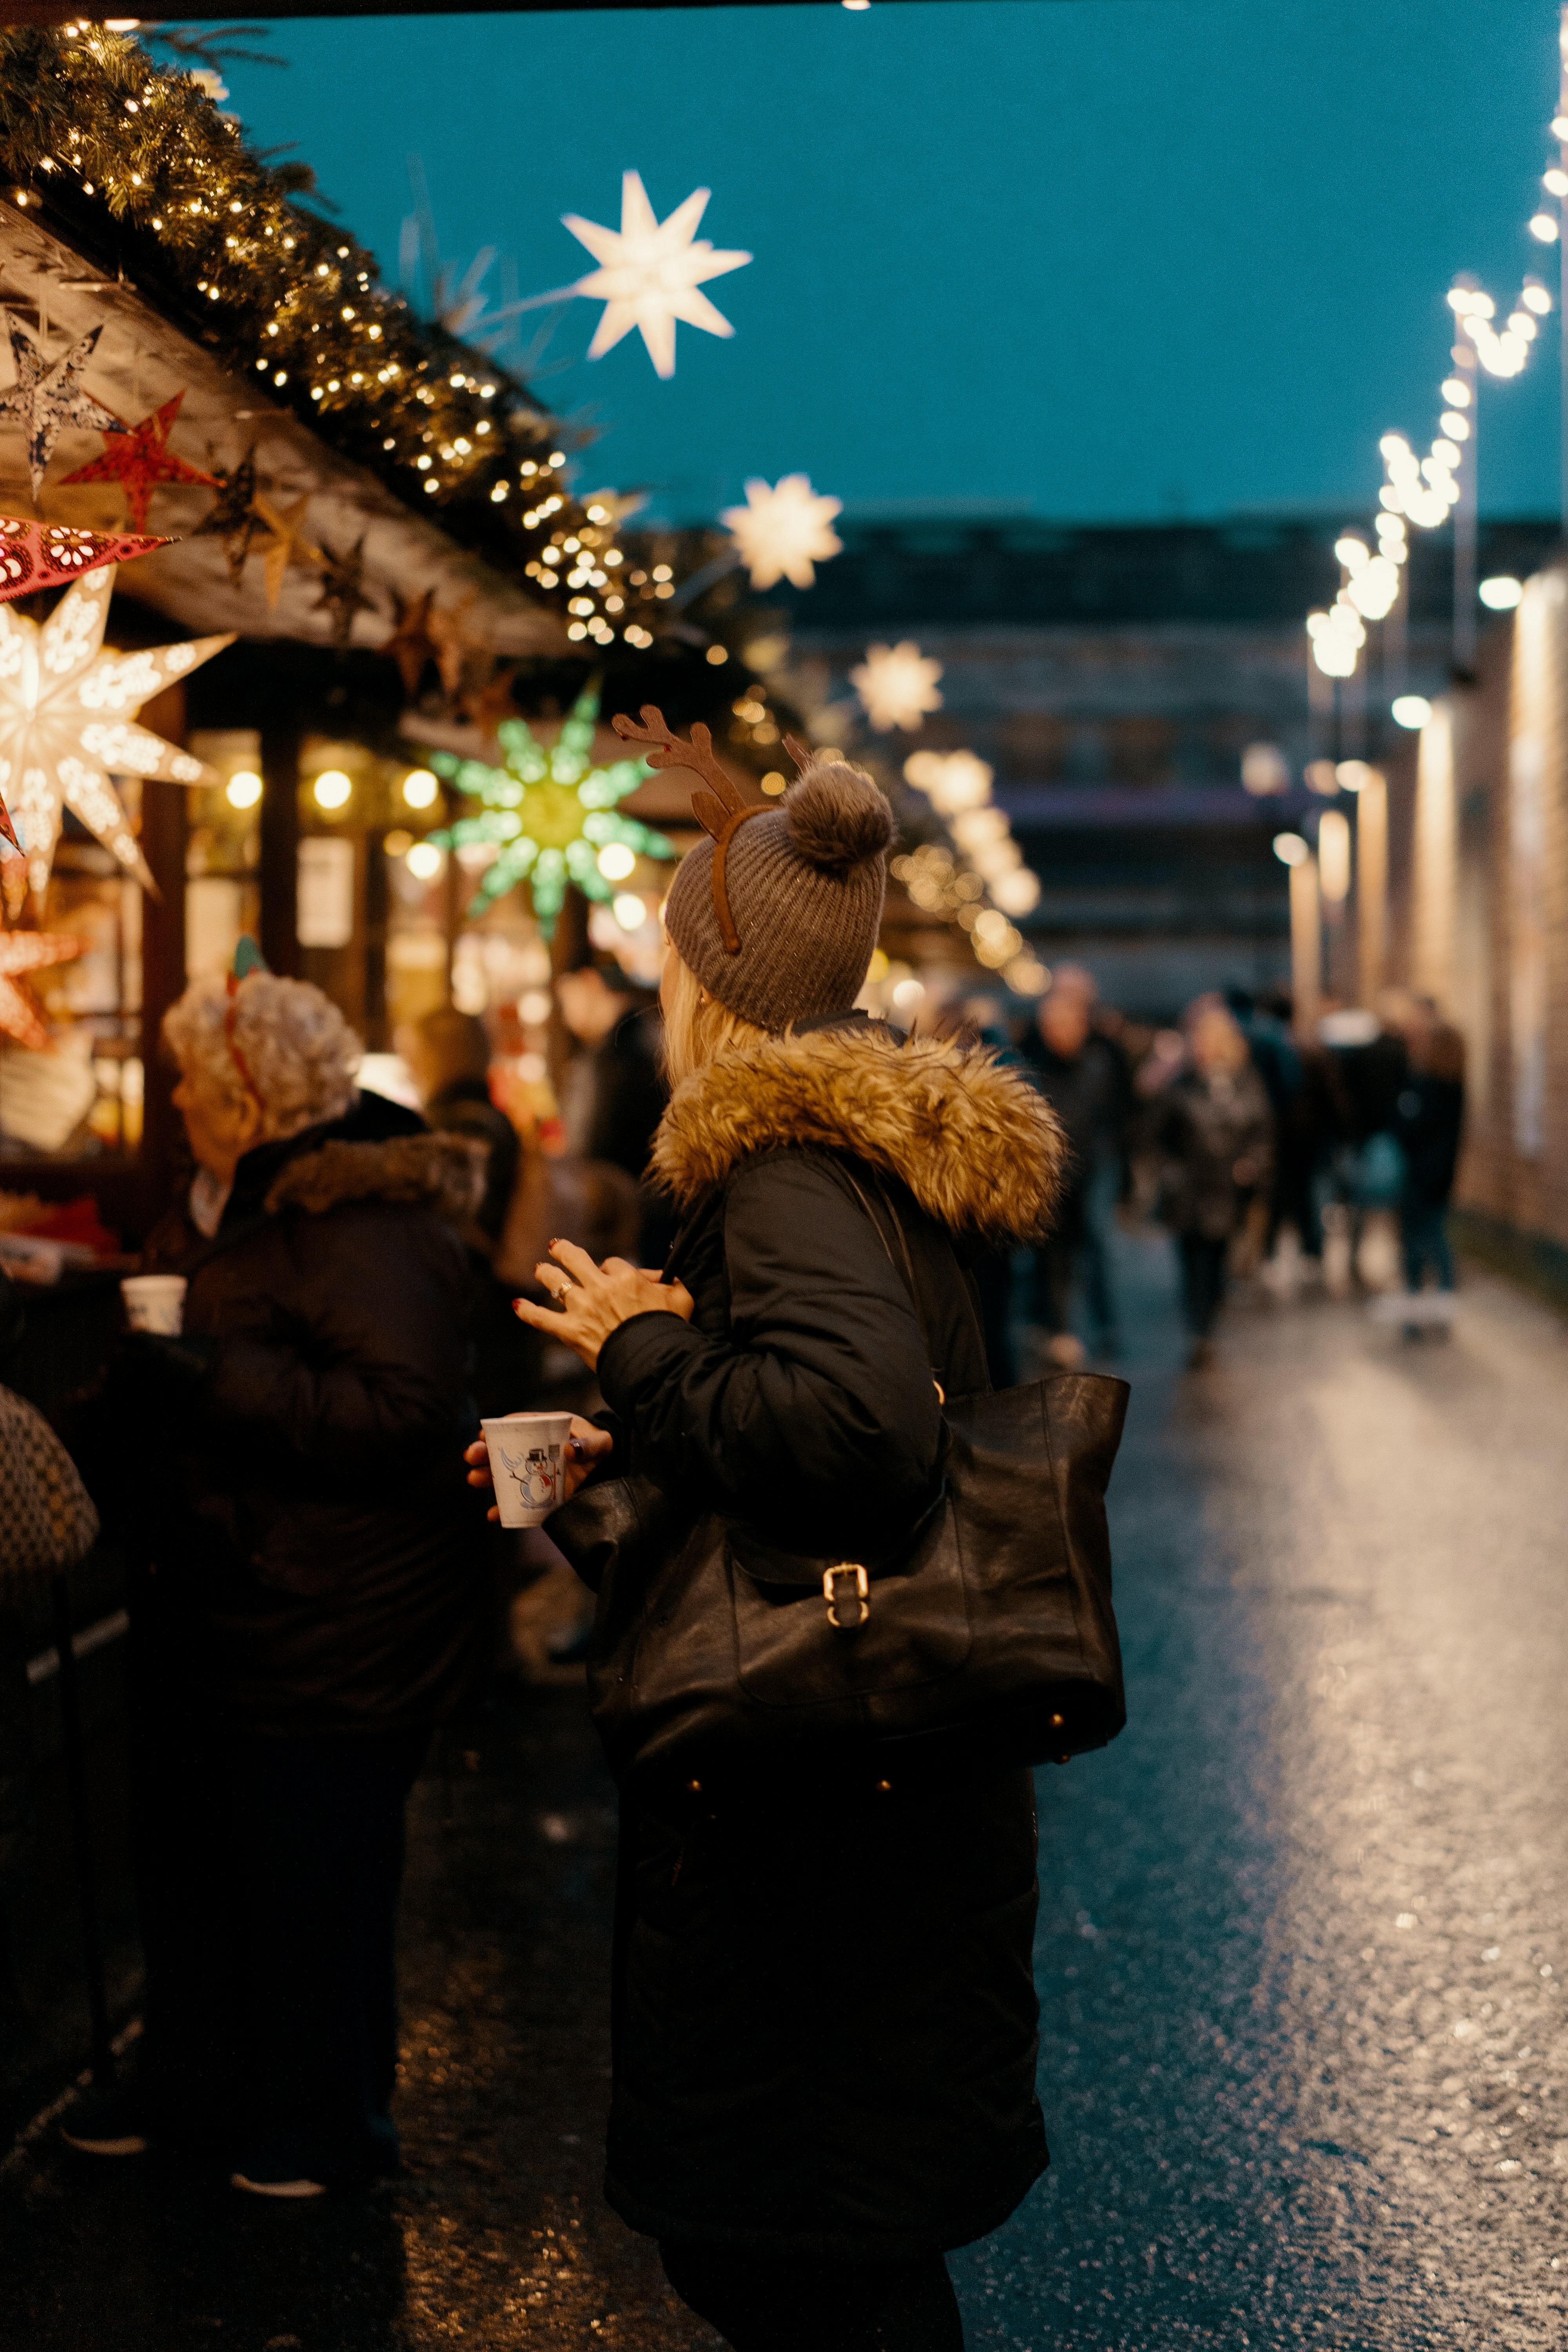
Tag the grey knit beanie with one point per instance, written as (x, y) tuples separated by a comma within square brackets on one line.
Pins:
[(777, 915)]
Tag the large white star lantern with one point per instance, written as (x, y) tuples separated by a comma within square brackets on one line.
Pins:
[(896, 685), (783, 530), (67, 714), (650, 272)]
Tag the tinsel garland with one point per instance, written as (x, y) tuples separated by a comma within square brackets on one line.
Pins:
[(89, 123)]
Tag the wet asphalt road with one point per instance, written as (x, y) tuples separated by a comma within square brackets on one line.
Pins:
[(1301, 1946)]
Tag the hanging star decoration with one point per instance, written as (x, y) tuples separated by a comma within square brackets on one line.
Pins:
[(286, 544), (897, 684), (46, 397), (411, 645), (650, 272), (549, 812), (489, 704), (67, 709), (232, 516), (137, 456), (342, 595), (21, 1016), (783, 531), (46, 555), (449, 628)]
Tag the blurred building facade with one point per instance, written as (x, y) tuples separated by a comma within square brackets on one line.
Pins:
[(1115, 678), (1483, 926)]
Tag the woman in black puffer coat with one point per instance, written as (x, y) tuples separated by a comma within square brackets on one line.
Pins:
[(826, 2023), (311, 1597)]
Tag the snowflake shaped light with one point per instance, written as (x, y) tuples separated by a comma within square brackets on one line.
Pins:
[(897, 684), (549, 812), (649, 274), (66, 713), (783, 530)]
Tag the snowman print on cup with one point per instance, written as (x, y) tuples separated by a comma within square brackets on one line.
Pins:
[(538, 1476)]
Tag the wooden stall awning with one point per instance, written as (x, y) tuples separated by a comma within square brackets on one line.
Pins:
[(142, 359)]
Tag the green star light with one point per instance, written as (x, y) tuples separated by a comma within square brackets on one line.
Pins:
[(550, 811)]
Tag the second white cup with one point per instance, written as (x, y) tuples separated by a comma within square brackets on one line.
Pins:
[(154, 1302)]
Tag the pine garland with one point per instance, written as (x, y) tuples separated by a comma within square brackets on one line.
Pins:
[(93, 133)]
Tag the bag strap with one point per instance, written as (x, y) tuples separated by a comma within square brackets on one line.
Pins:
[(906, 1272)]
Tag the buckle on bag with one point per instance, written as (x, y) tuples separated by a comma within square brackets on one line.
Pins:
[(862, 1594)]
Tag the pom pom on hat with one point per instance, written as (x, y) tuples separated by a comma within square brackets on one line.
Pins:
[(836, 817)]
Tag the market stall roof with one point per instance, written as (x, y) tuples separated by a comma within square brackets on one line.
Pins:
[(142, 360)]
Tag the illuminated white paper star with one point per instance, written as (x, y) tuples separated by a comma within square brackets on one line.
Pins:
[(650, 272), (897, 686), (66, 713), (783, 530), (46, 397)]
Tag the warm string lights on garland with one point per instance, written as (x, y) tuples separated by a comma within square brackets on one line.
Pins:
[(88, 122)]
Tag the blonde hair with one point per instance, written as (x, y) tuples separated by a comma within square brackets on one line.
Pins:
[(697, 1027), (288, 1046)]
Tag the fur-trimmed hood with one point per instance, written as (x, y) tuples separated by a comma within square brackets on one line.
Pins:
[(446, 1172), (979, 1147)]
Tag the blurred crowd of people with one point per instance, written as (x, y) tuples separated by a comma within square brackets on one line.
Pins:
[(1250, 1143)]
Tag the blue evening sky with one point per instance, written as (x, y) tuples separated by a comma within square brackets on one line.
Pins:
[(1093, 259)]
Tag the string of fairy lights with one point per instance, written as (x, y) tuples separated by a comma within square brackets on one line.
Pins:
[(90, 122)]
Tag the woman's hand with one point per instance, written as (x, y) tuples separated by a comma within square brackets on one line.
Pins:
[(585, 1446), (591, 1300)]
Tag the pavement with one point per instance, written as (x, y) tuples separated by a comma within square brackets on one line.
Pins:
[(1301, 1946)]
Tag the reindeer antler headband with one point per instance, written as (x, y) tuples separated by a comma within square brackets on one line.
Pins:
[(720, 811)]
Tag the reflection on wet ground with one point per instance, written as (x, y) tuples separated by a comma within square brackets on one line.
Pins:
[(1301, 1948)]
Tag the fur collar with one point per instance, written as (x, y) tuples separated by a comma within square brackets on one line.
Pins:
[(980, 1149), (444, 1171)]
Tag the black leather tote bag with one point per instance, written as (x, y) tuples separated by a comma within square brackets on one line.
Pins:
[(986, 1637)]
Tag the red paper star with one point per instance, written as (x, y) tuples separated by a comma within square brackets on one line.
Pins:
[(141, 461), (22, 951), (42, 554)]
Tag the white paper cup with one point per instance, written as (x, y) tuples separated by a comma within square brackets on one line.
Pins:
[(528, 1463), (154, 1302)]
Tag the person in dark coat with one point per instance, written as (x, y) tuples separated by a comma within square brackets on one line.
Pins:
[(448, 1057), (1078, 1072), (309, 1603), (612, 1091), (1428, 1120), (47, 1525), (825, 2020), (1215, 1133)]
